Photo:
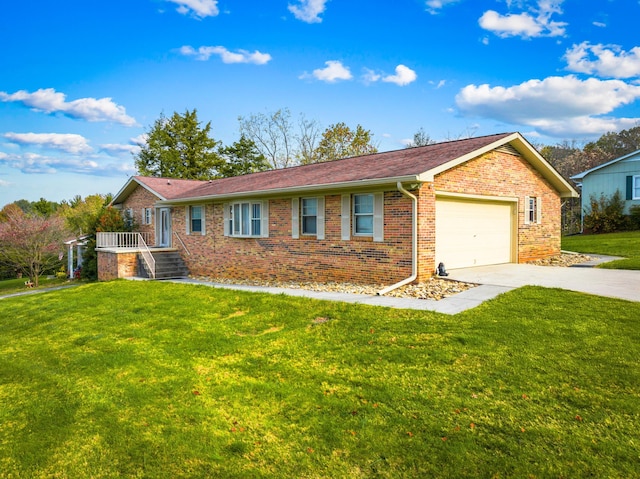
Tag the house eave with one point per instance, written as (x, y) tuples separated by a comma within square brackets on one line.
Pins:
[(527, 151), (129, 187), (581, 176), (296, 190)]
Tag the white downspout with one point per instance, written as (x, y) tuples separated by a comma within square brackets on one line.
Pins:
[(414, 243)]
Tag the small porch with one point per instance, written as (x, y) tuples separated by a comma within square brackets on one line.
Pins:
[(132, 254)]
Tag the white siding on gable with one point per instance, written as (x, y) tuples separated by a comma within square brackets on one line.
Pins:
[(609, 179)]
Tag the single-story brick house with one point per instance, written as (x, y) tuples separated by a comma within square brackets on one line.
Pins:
[(621, 174), (379, 219)]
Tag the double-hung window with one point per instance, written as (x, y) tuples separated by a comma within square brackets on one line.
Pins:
[(636, 187), (196, 220), (147, 216), (246, 219), (532, 210), (363, 215), (309, 216)]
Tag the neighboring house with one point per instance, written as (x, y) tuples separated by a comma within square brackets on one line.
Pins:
[(377, 219), (621, 174)]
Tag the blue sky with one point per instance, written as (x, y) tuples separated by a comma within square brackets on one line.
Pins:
[(81, 81)]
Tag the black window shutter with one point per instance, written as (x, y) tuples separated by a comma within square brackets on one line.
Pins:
[(629, 187)]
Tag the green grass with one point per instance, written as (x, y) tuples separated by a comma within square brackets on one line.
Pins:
[(158, 380), (9, 286), (625, 244)]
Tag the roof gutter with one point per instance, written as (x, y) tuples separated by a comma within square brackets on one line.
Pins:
[(369, 183), (414, 243)]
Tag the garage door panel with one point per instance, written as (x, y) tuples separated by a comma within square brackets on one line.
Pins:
[(473, 233)]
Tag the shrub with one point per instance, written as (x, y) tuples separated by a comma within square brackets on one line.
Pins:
[(634, 217), (606, 214)]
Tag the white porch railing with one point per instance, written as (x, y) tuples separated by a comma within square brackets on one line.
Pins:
[(122, 239), (147, 256), (129, 240)]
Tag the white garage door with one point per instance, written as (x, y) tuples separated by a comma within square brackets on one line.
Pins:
[(473, 233)]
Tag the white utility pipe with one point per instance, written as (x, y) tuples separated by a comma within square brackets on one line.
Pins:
[(414, 243)]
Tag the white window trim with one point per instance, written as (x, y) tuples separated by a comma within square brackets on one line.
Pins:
[(347, 229), (527, 210), (296, 218), (635, 189), (147, 216), (264, 218), (202, 220)]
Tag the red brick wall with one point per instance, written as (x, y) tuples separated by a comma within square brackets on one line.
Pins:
[(361, 260), (280, 257), (503, 174), (139, 199), (116, 265)]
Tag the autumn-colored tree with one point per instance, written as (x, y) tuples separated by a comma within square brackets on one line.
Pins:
[(109, 219), (339, 141), (31, 243), (81, 214)]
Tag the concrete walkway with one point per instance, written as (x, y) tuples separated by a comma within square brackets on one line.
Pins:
[(455, 304), (492, 281), (613, 283)]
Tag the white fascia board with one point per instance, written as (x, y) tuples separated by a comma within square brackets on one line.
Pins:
[(354, 185), (127, 189), (525, 149), (580, 176)]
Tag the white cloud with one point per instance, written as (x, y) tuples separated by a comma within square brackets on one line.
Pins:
[(333, 72), (200, 8), (604, 60), (537, 23), (240, 56), (32, 163), (308, 10), (4, 183), (70, 143), (556, 106), (370, 76), (434, 6), (404, 75), (118, 149), (90, 109)]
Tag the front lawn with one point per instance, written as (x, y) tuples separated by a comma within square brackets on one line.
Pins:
[(625, 244), (9, 286), (161, 380)]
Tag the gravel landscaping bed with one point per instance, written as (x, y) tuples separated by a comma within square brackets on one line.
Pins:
[(565, 259), (436, 288)]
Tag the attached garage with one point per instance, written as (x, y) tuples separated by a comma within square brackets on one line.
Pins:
[(474, 232)]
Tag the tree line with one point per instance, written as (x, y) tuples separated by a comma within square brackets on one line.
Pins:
[(181, 147)]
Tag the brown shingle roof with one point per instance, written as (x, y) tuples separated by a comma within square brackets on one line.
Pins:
[(169, 188), (391, 164)]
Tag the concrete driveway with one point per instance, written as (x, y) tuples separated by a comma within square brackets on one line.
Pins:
[(614, 283)]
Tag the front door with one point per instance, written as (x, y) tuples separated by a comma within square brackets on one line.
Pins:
[(164, 228)]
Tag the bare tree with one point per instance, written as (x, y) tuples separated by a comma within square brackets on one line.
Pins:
[(273, 135), (420, 138), (308, 138)]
